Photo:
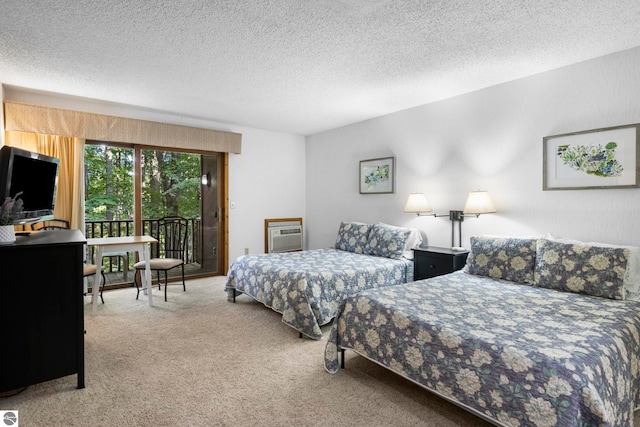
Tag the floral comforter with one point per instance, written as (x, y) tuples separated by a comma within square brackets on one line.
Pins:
[(307, 287), (515, 354)]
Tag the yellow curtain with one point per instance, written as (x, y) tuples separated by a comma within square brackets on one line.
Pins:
[(69, 203)]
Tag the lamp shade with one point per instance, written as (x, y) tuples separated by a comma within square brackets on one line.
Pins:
[(417, 203), (478, 203)]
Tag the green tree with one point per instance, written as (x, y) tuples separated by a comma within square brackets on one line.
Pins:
[(170, 183), (108, 183)]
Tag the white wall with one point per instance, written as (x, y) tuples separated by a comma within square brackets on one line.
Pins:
[(490, 139), (265, 181)]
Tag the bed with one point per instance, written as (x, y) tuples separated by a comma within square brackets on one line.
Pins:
[(532, 332), (306, 287)]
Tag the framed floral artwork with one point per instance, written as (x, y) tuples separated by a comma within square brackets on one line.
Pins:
[(599, 158), (377, 176)]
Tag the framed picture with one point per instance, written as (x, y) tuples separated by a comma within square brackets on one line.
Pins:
[(377, 176), (599, 158)]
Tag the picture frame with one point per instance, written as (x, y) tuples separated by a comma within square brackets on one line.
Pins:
[(377, 176), (592, 159)]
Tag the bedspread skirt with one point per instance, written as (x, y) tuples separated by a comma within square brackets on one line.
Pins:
[(516, 354), (306, 287)]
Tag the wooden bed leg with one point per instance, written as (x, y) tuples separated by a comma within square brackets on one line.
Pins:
[(342, 358), (300, 335)]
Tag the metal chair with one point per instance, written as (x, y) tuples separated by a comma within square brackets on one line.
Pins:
[(90, 270), (172, 239)]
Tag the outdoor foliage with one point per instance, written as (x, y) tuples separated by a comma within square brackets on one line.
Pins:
[(170, 183)]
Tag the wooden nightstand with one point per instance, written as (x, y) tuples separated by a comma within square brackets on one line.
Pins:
[(433, 261)]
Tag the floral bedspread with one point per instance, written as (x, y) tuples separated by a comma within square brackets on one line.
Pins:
[(516, 354), (307, 287)]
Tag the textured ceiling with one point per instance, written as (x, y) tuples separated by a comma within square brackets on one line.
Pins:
[(292, 65)]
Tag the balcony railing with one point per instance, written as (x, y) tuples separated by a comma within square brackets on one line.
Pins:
[(121, 228)]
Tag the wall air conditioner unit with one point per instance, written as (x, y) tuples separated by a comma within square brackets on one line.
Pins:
[(283, 235), (285, 239)]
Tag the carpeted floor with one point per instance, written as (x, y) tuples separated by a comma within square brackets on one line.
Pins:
[(198, 360)]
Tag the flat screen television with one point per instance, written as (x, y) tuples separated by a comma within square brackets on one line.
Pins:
[(35, 176)]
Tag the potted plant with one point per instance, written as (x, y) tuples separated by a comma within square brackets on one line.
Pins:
[(10, 210)]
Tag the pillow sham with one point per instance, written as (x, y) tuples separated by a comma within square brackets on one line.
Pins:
[(508, 258), (352, 236), (632, 274), (387, 241), (581, 268)]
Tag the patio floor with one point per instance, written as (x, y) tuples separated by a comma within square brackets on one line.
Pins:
[(117, 277)]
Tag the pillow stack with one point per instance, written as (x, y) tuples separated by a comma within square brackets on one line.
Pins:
[(595, 269), (378, 239)]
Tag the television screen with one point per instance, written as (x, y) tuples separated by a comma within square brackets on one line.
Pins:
[(34, 175)]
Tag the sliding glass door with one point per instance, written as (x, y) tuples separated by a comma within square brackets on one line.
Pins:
[(171, 183)]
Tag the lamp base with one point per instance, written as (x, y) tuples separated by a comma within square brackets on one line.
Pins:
[(458, 248)]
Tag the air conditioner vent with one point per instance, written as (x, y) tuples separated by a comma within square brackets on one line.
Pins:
[(285, 239), (283, 235)]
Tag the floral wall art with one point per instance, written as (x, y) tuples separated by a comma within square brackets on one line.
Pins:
[(600, 158), (377, 176)]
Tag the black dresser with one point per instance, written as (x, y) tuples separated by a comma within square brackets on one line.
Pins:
[(42, 313)]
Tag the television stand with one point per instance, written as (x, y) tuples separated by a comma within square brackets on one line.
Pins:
[(42, 316)]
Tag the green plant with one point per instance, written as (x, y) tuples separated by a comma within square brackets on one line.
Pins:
[(10, 210)]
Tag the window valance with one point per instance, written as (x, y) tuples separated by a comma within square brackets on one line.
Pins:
[(56, 121)]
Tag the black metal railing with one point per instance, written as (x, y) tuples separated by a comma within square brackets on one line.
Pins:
[(121, 228)]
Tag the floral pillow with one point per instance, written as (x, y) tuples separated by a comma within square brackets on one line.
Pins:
[(581, 268), (387, 241), (507, 258), (352, 236), (632, 275)]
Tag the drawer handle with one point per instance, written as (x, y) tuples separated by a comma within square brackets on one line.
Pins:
[(432, 266)]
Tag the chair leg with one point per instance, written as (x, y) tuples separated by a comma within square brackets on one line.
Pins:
[(166, 285), (184, 287), (104, 283), (135, 282)]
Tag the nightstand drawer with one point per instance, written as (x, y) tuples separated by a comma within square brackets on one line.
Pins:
[(428, 266), (432, 262)]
